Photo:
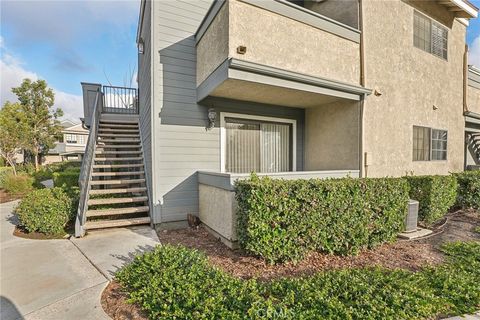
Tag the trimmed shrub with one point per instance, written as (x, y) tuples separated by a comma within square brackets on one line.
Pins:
[(18, 184), (178, 283), (436, 194), (468, 189), (281, 220), (67, 179), (45, 210)]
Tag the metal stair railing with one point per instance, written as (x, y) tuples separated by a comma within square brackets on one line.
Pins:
[(120, 100), (87, 167)]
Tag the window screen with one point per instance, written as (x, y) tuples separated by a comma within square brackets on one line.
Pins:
[(430, 36), (421, 143)]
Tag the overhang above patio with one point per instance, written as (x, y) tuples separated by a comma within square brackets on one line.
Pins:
[(461, 8), (248, 81)]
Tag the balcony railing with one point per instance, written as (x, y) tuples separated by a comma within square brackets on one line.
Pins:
[(120, 100)]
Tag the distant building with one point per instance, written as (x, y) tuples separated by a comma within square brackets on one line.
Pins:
[(72, 144)]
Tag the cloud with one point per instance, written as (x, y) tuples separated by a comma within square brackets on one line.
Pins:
[(12, 76), (474, 52), (70, 61), (62, 22)]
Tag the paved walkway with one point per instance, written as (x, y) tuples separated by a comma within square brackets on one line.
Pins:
[(62, 279)]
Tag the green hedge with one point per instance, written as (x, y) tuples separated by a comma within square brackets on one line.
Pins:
[(67, 179), (178, 283), (45, 210), (436, 194), (281, 220), (469, 189)]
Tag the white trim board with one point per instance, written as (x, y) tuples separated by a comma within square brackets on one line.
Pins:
[(223, 134)]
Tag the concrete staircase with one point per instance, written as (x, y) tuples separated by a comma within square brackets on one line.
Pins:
[(473, 141), (118, 195)]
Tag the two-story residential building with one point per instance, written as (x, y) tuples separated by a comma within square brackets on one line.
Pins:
[(72, 144), (295, 89)]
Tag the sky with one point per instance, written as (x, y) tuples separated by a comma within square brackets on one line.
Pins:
[(66, 42)]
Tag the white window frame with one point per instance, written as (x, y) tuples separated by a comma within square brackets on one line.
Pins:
[(223, 134)]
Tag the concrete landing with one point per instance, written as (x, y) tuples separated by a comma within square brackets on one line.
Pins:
[(62, 279), (110, 249)]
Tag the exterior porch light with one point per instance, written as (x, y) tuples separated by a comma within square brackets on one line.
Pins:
[(212, 116), (141, 46)]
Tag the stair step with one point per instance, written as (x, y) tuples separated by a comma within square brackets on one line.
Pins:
[(117, 126), (117, 191), (127, 122), (118, 159), (118, 130), (93, 202), (116, 135), (115, 211), (113, 182), (137, 141), (122, 173), (119, 146), (100, 152), (113, 166), (89, 225)]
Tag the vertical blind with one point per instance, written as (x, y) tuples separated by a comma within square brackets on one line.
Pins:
[(257, 146)]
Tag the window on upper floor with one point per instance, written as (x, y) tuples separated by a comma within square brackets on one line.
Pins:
[(429, 144), (70, 138), (430, 36), (344, 11)]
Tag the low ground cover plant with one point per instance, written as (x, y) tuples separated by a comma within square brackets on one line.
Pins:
[(468, 189), (19, 184), (66, 179), (281, 220), (178, 283), (436, 195), (46, 211)]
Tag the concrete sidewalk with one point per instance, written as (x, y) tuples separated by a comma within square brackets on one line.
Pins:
[(62, 279)]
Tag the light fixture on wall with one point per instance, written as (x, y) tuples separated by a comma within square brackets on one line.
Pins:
[(212, 116), (141, 46), (241, 49)]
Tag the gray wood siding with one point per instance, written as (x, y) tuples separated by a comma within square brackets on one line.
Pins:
[(181, 144), (145, 94)]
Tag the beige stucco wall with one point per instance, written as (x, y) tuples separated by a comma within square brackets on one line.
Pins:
[(281, 42), (218, 211), (411, 83), (473, 101), (275, 40), (212, 49), (332, 136)]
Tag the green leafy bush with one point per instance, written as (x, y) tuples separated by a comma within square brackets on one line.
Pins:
[(67, 179), (45, 210), (178, 283), (18, 184), (436, 195), (468, 189), (281, 220)]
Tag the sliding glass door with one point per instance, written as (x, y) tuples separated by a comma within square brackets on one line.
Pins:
[(260, 146)]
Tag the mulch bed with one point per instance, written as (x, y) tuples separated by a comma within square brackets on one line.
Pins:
[(7, 197), (408, 255), (22, 233)]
